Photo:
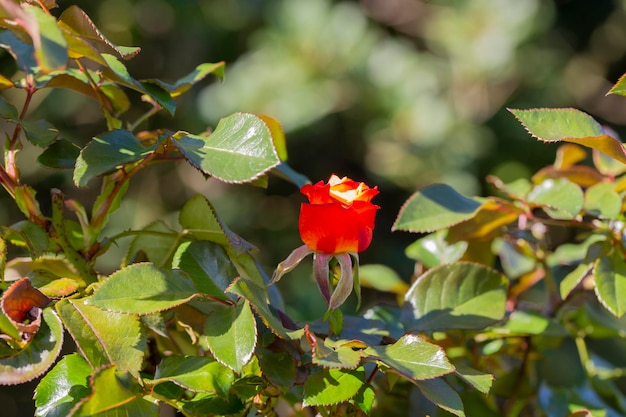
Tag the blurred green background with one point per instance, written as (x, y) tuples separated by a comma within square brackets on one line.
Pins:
[(396, 93)]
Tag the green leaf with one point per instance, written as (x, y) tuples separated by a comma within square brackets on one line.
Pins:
[(37, 356), (435, 207), (40, 132), (413, 358), (441, 394), (570, 125), (185, 83), (199, 217), (50, 44), (560, 194), (117, 72), (60, 154), (619, 87), (433, 250), (382, 278), (8, 110), (257, 296), (332, 386), (610, 276), (208, 266), (455, 296), (231, 335), (479, 380), (114, 393), (22, 52), (107, 152), (211, 405), (77, 22), (365, 399), (195, 373), (584, 267), (61, 389), (28, 235), (104, 337), (143, 289), (158, 243), (332, 355), (603, 201), (525, 323), (239, 150), (278, 367)]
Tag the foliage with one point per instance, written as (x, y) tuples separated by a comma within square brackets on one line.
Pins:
[(516, 308)]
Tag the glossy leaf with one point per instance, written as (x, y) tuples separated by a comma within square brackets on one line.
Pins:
[(104, 337), (143, 289), (413, 358), (61, 389), (231, 335), (239, 150), (456, 296), (37, 356), (610, 277), (332, 386), (114, 393), (440, 393), (433, 208), (570, 125), (208, 266), (107, 152), (492, 217), (211, 405), (195, 373), (60, 154)]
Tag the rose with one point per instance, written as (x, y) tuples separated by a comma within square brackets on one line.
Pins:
[(339, 216)]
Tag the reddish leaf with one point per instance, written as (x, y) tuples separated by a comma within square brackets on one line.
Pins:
[(22, 304)]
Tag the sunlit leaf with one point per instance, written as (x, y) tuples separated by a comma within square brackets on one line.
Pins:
[(413, 358), (239, 150), (61, 389), (610, 277), (114, 393), (208, 266), (563, 195), (570, 125), (603, 201), (332, 386), (37, 356), (434, 249), (143, 289), (433, 208), (195, 373), (50, 44), (104, 337), (231, 334), (479, 380), (382, 278), (455, 296), (107, 152)]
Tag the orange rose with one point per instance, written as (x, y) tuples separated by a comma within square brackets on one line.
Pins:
[(339, 217)]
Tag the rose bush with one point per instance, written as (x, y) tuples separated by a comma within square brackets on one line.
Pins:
[(339, 216)]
